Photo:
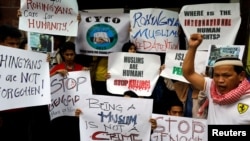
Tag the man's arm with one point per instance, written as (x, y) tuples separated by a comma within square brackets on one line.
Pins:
[(196, 79)]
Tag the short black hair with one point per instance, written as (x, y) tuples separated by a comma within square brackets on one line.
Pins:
[(67, 46), (174, 102), (130, 93), (126, 46), (60, 37), (9, 31), (23, 43)]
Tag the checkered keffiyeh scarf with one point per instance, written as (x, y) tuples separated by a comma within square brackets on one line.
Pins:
[(232, 96)]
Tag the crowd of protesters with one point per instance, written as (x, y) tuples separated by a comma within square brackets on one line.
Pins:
[(215, 97)]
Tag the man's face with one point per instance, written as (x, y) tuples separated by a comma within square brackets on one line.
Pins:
[(11, 42), (176, 111), (226, 79)]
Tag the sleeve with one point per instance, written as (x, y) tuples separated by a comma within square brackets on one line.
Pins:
[(207, 86), (54, 69)]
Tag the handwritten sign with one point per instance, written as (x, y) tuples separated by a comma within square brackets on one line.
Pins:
[(67, 92), (115, 118), (154, 30), (58, 17), (218, 23), (24, 78), (138, 72), (102, 33), (174, 60), (174, 128)]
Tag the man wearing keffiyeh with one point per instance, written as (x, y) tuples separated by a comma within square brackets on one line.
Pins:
[(228, 91)]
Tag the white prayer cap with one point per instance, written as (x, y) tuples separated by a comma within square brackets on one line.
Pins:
[(228, 61)]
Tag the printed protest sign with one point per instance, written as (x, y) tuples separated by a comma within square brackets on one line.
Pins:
[(102, 33), (138, 72)]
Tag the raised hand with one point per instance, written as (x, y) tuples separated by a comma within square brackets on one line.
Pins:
[(195, 40)]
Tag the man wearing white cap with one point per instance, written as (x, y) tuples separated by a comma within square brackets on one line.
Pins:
[(228, 91)]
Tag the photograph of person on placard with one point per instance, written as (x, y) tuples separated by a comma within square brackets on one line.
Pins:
[(40, 42)]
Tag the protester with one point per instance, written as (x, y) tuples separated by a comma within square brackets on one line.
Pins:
[(129, 47), (10, 36), (175, 108), (228, 90), (159, 89), (100, 71), (187, 94), (68, 64), (130, 93), (20, 121), (66, 127), (14, 121)]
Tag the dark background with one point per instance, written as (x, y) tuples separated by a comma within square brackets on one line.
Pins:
[(134, 4)]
